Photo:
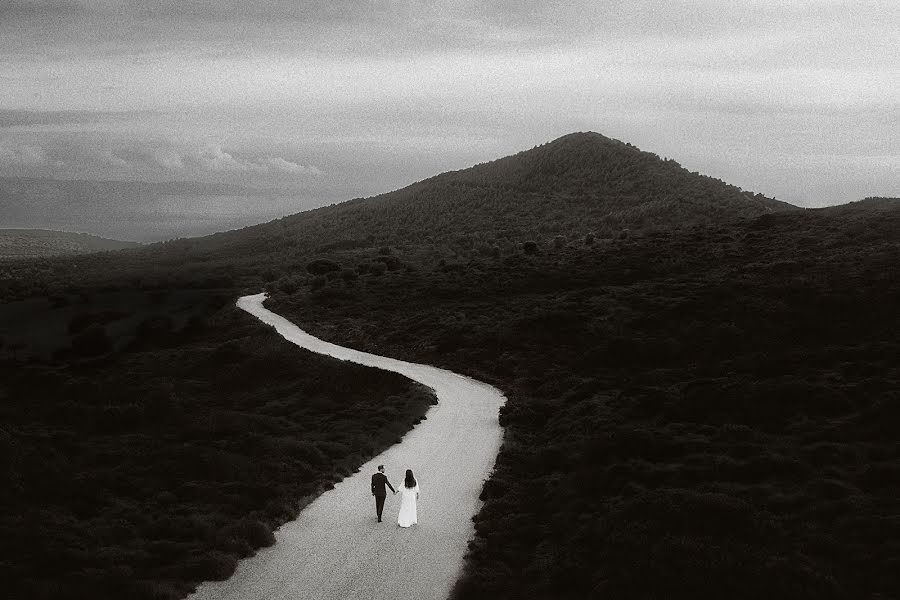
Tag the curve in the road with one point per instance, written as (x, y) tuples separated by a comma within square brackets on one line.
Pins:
[(335, 549)]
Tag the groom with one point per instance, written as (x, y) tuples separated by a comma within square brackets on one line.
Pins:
[(379, 480)]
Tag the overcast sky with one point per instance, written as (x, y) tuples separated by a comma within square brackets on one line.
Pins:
[(797, 99)]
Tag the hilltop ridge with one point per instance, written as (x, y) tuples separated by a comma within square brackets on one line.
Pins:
[(576, 184), (579, 185), (33, 243)]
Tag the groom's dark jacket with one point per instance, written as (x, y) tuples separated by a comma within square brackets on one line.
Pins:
[(379, 480)]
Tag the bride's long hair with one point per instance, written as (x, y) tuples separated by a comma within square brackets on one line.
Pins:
[(410, 481)]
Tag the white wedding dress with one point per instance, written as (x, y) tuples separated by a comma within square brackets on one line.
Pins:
[(408, 498)]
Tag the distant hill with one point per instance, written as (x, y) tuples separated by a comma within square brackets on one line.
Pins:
[(103, 188), (579, 184), (32, 243), (139, 210)]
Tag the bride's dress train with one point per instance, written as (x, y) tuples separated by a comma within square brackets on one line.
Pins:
[(408, 498)]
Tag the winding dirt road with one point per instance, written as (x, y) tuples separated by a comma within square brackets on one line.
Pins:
[(335, 549)]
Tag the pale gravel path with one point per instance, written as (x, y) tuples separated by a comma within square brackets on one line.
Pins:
[(335, 549)]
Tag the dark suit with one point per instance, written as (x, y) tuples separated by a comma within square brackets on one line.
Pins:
[(379, 480)]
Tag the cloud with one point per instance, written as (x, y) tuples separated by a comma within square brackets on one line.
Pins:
[(286, 166), (383, 92), (215, 158), (21, 155), (316, 10), (11, 9), (538, 20), (21, 118), (108, 157), (168, 159)]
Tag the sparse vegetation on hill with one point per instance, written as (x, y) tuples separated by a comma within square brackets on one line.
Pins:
[(701, 381), (156, 446), (580, 184), (580, 187), (692, 414)]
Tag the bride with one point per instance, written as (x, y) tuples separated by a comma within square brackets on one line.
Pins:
[(409, 493)]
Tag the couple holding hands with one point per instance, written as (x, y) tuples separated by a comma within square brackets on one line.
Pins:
[(409, 494)]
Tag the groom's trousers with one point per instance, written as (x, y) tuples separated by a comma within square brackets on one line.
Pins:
[(379, 505)]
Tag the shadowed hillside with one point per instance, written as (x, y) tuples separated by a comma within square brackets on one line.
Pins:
[(701, 381), (155, 448), (701, 413), (580, 184), (32, 243)]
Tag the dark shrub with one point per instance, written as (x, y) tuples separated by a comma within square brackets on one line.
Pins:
[(58, 301), (701, 545), (80, 321), (391, 263), (243, 537), (195, 323), (288, 285), (322, 266), (92, 341), (155, 328), (214, 565), (255, 532), (160, 405)]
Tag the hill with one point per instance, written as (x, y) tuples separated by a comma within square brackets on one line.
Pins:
[(32, 243), (135, 210), (701, 381), (578, 185)]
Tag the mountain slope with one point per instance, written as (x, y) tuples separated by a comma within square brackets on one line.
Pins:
[(705, 407), (32, 243), (579, 184), (580, 181)]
